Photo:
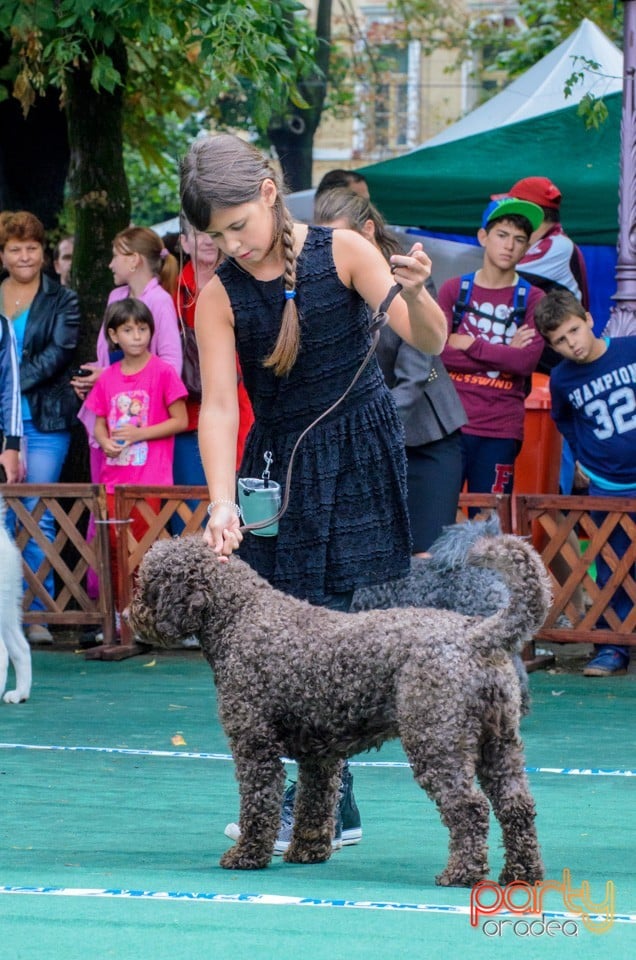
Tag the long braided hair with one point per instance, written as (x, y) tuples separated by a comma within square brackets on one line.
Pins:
[(222, 171)]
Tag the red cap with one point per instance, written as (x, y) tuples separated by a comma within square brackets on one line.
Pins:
[(538, 190)]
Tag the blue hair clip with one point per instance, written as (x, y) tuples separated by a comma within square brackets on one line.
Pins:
[(290, 294)]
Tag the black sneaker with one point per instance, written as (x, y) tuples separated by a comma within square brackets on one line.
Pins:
[(348, 810), (287, 823)]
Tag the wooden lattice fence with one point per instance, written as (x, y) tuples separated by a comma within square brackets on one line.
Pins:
[(558, 525), (563, 529), (69, 557)]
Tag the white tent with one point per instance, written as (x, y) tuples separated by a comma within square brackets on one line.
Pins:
[(541, 89)]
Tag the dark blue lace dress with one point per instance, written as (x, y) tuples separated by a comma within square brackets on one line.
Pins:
[(347, 522)]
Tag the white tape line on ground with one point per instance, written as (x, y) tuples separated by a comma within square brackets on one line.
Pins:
[(264, 899), (227, 757), (278, 900)]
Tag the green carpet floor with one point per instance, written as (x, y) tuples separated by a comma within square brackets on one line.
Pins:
[(116, 785)]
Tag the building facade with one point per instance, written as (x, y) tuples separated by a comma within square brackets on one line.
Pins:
[(411, 94)]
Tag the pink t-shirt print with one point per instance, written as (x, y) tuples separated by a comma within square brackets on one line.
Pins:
[(129, 407)]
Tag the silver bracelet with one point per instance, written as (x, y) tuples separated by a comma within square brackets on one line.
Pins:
[(231, 503)]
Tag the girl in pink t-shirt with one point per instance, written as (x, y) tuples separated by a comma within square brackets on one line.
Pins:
[(139, 406), (139, 403)]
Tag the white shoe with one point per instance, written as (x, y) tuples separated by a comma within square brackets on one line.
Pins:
[(191, 643), (38, 633), (232, 831)]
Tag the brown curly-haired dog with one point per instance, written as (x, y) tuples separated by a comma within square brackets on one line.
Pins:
[(318, 686)]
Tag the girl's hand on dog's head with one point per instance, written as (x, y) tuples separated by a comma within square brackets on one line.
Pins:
[(222, 532)]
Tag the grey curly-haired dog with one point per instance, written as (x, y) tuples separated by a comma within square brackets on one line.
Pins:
[(448, 580), (309, 683)]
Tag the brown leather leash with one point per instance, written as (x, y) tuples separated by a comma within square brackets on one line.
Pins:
[(378, 320)]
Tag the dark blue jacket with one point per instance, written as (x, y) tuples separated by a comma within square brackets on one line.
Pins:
[(10, 402)]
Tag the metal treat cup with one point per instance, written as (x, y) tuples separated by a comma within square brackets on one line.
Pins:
[(259, 500)]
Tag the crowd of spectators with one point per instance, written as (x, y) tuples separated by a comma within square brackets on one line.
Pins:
[(462, 412)]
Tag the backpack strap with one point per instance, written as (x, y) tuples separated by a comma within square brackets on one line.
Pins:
[(520, 302), (459, 307)]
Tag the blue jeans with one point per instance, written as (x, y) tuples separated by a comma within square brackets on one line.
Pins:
[(620, 603), (45, 456), (187, 470)]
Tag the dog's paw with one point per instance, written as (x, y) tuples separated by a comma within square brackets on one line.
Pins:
[(14, 696), (303, 852), (528, 873), (460, 877), (237, 858)]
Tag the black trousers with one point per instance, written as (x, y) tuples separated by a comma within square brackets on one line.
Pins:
[(434, 481)]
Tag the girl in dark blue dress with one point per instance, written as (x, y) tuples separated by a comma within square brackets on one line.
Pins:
[(292, 300)]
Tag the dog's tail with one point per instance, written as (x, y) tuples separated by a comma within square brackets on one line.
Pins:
[(528, 584)]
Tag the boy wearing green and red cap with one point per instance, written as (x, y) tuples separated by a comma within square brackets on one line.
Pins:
[(493, 346)]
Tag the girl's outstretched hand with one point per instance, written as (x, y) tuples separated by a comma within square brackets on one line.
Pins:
[(222, 531), (411, 270)]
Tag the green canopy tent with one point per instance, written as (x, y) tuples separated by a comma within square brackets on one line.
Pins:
[(445, 188)]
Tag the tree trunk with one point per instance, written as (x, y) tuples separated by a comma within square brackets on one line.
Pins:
[(293, 133), (294, 143), (99, 192)]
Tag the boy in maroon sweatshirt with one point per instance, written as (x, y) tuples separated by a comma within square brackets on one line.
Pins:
[(493, 345)]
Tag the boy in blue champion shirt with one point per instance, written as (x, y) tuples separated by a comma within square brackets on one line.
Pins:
[(593, 392)]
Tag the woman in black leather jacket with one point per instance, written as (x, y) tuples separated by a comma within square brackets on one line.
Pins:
[(45, 319)]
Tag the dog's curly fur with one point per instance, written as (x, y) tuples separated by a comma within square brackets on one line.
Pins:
[(13, 644), (448, 580), (319, 686)]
